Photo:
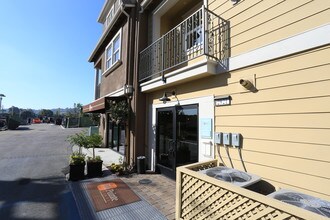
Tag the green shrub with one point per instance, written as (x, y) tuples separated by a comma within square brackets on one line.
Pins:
[(77, 158), (13, 123)]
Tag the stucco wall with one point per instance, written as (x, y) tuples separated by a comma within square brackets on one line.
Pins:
[(116, 79)]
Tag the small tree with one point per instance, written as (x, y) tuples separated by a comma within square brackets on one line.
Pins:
[(79, 139), (118, 111), (28, 113), (95, 140)]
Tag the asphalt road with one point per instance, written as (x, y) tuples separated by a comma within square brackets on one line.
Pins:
[(33, 159)]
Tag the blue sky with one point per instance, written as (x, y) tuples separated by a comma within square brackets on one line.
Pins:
[(44, 48)]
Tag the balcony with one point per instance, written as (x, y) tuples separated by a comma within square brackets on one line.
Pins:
[(201, 34)]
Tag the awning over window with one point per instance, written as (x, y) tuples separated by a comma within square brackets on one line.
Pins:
[(100, 105)]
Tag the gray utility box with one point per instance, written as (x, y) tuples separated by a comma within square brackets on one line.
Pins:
[(218, 138), (226, 139)]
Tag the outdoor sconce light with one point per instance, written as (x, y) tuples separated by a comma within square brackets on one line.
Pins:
[(234, 2), (128, 90), (246, 84), (165, 98)]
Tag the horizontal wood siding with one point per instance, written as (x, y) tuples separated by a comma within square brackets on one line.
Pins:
[(260, 22), (286, 124)]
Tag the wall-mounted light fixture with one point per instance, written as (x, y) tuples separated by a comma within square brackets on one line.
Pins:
[(128, 90), (234, 2), (246, 83), (165, 97)]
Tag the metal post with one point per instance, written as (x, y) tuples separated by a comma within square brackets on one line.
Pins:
[(205, 30), (163, 56)]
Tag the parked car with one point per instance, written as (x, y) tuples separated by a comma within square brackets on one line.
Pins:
[(36, 121)]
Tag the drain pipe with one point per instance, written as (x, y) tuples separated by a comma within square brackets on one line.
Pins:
[(144, 5), (122, 8)]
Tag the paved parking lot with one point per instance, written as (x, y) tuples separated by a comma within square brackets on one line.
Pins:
[(32, 184)]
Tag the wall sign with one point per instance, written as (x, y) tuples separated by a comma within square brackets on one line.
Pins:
[(222, 101), (206, 128)]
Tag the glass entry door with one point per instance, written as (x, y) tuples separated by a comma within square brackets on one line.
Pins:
[(177, 137)]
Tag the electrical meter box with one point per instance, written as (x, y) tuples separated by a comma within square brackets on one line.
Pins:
[(226, 138), (236, 139), (218, 137)]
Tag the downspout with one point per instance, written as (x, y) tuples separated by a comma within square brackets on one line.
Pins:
[(144, 5), (122, 8)]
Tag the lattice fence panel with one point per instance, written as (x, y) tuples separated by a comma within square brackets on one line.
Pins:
[(203, 200)]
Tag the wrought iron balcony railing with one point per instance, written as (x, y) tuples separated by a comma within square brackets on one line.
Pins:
[(202, 33)]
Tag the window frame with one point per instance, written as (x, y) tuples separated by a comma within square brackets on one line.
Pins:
[(111, 59), (99, 76)]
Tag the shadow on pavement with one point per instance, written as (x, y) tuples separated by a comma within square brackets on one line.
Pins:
[(23, 128), (40, 199)]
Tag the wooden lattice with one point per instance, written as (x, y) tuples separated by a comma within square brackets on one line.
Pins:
[(202, 197)]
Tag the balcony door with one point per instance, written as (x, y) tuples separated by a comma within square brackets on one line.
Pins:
[(177, 138)]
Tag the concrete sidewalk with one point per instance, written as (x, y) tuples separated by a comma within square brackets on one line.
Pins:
[(140, 210), (108, 155), (157, 196)]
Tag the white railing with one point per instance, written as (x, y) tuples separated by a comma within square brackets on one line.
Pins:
[(202, 33)]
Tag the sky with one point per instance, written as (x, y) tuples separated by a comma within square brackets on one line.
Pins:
[(44, 51)]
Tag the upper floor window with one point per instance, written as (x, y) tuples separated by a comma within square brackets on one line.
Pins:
[(98, 76), (98, 79), (112, 51), (110, 16)]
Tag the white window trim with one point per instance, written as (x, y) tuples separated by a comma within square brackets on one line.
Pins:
[(112, 52)]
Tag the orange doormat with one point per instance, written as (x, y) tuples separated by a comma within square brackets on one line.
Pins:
[(110, 194)]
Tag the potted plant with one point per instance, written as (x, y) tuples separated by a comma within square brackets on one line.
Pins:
[(94, 164), (79, 139), (77, 166), (77, 159)]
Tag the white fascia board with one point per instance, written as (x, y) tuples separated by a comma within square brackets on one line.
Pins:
[(304, 41), (204, 67)]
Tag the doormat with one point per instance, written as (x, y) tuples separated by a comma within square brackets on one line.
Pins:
[(110, 194)]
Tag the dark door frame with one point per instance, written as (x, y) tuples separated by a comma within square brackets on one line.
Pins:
[(171, 171)]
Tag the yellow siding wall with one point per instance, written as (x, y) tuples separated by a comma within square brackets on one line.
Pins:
[(285, 125), (255, 23)]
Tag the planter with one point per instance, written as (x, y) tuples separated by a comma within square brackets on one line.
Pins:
[(77, 172), (94, 169)]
